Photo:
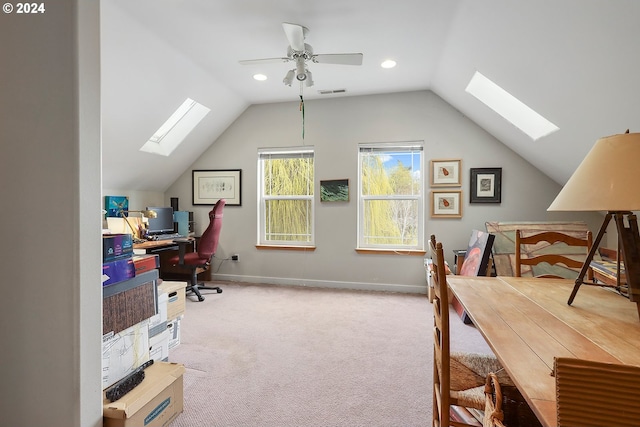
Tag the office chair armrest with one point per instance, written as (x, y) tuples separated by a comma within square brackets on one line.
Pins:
[(182, 248)]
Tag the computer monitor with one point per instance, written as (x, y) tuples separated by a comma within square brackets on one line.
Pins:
[(163, 222)]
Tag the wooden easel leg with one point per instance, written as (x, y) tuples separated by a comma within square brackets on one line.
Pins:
[(592, 252)]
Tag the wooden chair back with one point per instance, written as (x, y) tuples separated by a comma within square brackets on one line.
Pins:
[(551, 237), (596, 394), (441, 343), (458, 378)]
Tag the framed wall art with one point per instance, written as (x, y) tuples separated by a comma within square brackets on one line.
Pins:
[(446, 204), (334, 190), (486, 185), (445, 173), (211, 185)]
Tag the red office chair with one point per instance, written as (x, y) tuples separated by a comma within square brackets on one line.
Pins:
[(200, 260)]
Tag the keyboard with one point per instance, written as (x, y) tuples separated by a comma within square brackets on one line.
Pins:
[(169, 236)]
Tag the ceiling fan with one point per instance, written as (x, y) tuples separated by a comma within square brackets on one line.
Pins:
[(300, 53)]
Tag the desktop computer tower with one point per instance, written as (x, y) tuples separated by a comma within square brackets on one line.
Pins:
[(183, 222)]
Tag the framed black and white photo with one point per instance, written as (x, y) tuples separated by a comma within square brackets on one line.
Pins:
[(209, 186), (486, 185)]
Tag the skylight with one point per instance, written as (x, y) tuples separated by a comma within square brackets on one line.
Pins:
[(176, 128), (509, 107)]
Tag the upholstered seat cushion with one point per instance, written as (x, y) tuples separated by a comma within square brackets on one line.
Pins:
[(191, 258)]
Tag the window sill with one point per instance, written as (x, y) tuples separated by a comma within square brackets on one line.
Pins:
[(410, 252), (286, 247)]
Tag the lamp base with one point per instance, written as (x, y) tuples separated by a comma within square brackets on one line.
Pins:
[(628, 244)]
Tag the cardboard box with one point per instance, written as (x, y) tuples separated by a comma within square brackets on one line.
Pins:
[(126, 303), (146, 262), (116, 246), (156, 401), (176, 292), (158, 322), (159, 346), (117, 271), (173, 327)]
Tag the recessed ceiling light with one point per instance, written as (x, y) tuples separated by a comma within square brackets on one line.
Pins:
[(389, 63), (509, 107), (260, 77)]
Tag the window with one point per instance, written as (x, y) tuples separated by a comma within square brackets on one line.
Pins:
[(176, 128), (285, 180), (390, 196)]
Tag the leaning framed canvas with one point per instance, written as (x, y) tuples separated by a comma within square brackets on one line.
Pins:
[(445, 173), (476, 259), (209, 186), (446, 204), (334, 190), (486, 185)]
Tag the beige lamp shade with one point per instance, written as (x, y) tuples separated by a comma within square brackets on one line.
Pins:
[(608, 179)]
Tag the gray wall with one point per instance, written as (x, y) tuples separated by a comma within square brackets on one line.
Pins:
[(50, 308), (334, 127)]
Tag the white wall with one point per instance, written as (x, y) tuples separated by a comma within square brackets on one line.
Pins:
[(334, 127), (50, 173)]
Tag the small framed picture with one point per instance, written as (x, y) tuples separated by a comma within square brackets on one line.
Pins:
[(445, 173), (209, 186), (486, 185), (334, 190), (446, 204)]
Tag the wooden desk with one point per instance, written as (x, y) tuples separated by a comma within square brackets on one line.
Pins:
[(166, 249), (527, 323), (152, 246)]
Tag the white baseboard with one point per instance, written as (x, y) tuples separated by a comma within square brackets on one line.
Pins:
[(387, 287)]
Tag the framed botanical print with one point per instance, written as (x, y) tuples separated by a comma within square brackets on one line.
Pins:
[(209, 186), (446, 204), (486, 185), (445, 173)]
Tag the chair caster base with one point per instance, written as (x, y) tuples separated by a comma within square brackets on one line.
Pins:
[(196, 290)]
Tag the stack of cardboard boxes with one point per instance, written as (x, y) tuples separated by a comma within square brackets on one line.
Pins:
[(141, 316)]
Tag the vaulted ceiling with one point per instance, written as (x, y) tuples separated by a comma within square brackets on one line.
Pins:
[(576, 62)]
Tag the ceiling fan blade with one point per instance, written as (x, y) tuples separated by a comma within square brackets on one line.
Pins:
[(295, 34), (263, 61), (338, 58)]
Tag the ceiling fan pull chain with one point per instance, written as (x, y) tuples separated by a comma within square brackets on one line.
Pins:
[(302, 109)]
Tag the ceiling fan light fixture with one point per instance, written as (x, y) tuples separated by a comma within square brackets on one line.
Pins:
[(309, 81), (288, 79), (300, 52), (301, 74)]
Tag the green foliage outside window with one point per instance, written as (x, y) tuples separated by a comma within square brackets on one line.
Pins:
[(288, 194), (390, 204)]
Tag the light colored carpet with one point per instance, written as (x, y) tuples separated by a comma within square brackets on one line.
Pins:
[(264, 355)]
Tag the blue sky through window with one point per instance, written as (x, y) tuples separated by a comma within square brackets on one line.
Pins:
[(410, 160)]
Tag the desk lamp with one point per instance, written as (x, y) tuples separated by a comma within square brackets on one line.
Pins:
[(606, 181), (145, 213)]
